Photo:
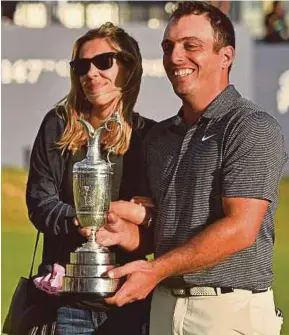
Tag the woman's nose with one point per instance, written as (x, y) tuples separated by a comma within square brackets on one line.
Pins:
[(93, 71)]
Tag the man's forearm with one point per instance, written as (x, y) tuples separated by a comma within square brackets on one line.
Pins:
[(208, 248), (217, 242), (221, 239)]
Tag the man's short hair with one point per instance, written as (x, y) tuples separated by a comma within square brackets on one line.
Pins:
[(224, 32)]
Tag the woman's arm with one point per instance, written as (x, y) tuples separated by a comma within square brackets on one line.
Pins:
[(46, 210)]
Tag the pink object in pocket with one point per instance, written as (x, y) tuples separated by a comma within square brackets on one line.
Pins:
[(51, 283)]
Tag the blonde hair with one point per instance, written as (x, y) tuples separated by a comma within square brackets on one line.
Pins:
[(76, 106)]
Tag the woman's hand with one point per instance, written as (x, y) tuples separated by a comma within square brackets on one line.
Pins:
[(128, 210), (122, 217), (138, 211), (119, 232), (144, 201), (86, 232)]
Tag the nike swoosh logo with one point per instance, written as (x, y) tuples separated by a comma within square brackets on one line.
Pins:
[(205, 138)]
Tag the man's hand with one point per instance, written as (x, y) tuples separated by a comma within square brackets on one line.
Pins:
[(142, 279), (120, 232)]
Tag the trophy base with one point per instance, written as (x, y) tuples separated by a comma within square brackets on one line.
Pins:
[(101, 287), (87, 272), (96, 296)]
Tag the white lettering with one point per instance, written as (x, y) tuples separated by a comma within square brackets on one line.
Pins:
[(28, 71), (19, 71), (34, 67), (6, 71)]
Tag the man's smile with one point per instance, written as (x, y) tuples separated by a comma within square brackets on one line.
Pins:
[(182, 72)]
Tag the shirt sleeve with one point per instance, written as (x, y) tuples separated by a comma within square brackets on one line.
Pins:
[(144, 180), (253, 158), (46, 211)]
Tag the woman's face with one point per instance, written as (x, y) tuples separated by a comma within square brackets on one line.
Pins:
[(101, 87)]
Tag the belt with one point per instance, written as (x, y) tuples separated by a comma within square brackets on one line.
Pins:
[(208, 291)]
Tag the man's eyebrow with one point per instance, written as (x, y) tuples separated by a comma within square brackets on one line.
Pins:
[(183, 39)]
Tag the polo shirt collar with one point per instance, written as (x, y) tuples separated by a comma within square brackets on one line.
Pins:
[(217, 108), (222, 104)]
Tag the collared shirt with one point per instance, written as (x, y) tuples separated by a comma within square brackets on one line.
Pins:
[(234, 150)]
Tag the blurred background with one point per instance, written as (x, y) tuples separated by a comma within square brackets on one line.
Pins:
[(37, 38)]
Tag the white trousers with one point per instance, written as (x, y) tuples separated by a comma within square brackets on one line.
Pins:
[(239, 312)]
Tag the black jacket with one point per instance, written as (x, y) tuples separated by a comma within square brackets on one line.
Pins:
[(49, 193)]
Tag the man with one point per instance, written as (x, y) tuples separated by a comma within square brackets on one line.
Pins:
[(275, 24), (213, 171)]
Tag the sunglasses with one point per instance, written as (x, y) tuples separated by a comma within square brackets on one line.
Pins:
[(103, 61)]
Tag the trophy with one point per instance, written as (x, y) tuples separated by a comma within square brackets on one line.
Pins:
[(86, 272)]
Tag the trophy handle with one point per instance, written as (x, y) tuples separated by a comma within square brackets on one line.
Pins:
[(94, 137), (88, 127), (110, 151), (114, 118), (91, 131)]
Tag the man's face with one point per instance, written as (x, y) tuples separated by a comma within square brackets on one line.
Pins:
[(189, 58)]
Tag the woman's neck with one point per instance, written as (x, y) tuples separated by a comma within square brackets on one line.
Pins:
[(99, 115)]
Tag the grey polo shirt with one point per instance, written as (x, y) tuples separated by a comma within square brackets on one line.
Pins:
[(234, 150)]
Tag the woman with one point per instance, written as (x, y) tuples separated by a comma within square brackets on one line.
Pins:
[(105, 75)]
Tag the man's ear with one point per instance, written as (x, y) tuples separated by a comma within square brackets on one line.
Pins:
[(228, 56)]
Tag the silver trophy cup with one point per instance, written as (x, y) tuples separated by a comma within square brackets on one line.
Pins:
[(89, 264)]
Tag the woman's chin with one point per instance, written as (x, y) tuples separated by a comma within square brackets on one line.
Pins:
[(102, 100)]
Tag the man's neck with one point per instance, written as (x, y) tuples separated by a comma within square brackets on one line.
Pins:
[(194, 106)]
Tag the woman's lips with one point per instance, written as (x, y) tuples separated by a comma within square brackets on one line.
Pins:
[(95, 86)]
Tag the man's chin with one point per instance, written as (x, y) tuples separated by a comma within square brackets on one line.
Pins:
[(185, 91), (181, 93)]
